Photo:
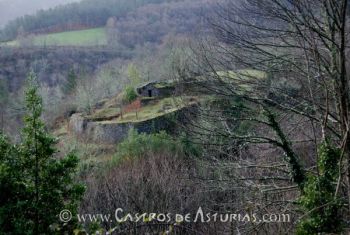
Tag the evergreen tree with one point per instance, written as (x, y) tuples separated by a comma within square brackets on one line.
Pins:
[(3, 101), (3, 91), (13, 190), (71, 83), (35, 185)]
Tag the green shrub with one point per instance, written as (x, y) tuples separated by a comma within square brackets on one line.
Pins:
[(137, 145), (130, 94), (71, 83)]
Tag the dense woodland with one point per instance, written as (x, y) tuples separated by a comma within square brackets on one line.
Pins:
[(66, 17), (12, 9), (263, 147), (87, 14)]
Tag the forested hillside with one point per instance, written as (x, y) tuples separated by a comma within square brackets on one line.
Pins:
[(85, 14), (128, 31), (11, 9), (176, 117)]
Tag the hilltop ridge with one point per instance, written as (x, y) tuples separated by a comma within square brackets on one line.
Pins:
[(155, 108)]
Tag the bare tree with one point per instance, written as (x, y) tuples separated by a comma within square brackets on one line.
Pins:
[(111, 30), (279, 68)]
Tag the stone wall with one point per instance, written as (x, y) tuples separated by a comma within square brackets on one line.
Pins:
[(98, 132), (111, 133)]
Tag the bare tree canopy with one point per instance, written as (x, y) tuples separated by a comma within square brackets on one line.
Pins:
[(278, 72)]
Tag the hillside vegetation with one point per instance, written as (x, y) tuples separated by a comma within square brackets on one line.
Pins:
[(127, 25), (11, 9), (72, 16), (232, 115)]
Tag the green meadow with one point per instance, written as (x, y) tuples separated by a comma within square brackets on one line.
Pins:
[(87, 37)]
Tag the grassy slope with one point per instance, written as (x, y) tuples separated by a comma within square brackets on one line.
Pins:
[(110, 113), (244, 80), (88, 37), (160, 108), (244, 74)]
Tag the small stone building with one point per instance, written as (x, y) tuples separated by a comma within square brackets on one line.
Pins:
[(156, 89)]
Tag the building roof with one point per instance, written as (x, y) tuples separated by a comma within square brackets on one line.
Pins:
[(158, 84)]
